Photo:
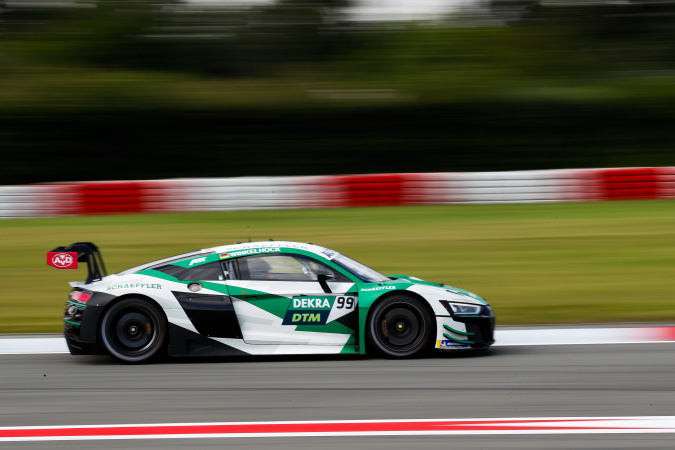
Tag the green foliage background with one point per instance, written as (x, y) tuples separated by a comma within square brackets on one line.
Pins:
[(535, 263)]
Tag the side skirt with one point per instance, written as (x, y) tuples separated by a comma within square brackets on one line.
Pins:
[(184, 342)]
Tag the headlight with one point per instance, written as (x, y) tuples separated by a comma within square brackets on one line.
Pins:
[(465, 309)]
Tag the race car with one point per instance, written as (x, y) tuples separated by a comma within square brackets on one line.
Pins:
[(263, 298)]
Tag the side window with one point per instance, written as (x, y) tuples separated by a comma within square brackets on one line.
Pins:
[(206, 272), (284, 268)]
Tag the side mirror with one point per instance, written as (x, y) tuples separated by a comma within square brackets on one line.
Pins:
[(323, 281)]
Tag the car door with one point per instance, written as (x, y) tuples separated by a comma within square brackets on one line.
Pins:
[(282, 299), (203, 296)]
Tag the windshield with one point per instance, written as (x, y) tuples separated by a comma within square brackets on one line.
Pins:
[(365, 273)]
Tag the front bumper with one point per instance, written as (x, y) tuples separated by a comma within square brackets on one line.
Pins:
[(471, 332)]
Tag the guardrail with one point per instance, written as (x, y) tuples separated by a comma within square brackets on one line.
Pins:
[(248, 193)]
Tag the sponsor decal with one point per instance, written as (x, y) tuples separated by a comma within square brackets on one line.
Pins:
[(450, 344), (62, 260), (252, 251), (378, 288), (133, 286), (306, 318), (198, 260), (318, 310), (310, 303), (329, 254)]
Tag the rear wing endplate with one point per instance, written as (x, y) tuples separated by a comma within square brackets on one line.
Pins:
[(82, 252)]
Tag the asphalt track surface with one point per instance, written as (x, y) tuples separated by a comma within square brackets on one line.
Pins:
[(506, 382)]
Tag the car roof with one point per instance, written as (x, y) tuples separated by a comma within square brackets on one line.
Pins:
[(233, 248), (316, 249)]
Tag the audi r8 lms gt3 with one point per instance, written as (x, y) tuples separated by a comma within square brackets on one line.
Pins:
[(263, 298)]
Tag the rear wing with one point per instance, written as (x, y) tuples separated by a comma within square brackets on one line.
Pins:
[(67, 258)]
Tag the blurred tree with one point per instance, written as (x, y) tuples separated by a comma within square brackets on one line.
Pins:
[(510, 10), (177, 36), (291, 31), (91, 32), (595, 37)]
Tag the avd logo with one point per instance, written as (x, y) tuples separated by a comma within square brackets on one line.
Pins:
[(62, 260)]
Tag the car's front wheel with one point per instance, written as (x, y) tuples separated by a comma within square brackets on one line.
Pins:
[(400, 326), (134, 331)]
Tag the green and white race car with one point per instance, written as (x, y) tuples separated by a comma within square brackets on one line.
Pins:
[(263, 298)]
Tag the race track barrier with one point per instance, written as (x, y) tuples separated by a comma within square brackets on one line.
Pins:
[(251, 193)]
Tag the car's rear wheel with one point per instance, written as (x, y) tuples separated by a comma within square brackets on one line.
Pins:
[(400, 326), (134, 331)]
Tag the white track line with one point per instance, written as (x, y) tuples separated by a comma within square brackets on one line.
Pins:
[(33, 345), (572, 336)]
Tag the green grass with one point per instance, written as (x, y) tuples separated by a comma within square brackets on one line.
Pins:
[(535, 263)]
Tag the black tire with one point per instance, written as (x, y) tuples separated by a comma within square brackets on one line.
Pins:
[(400, 326), (134, 331)]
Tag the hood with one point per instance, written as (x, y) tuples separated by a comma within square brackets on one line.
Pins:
[(441, 289)]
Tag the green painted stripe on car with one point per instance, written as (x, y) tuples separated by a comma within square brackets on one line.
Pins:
[(76, 304), (157, 274), (463, 333), (457, 340), (214, 286), (271, 303)]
